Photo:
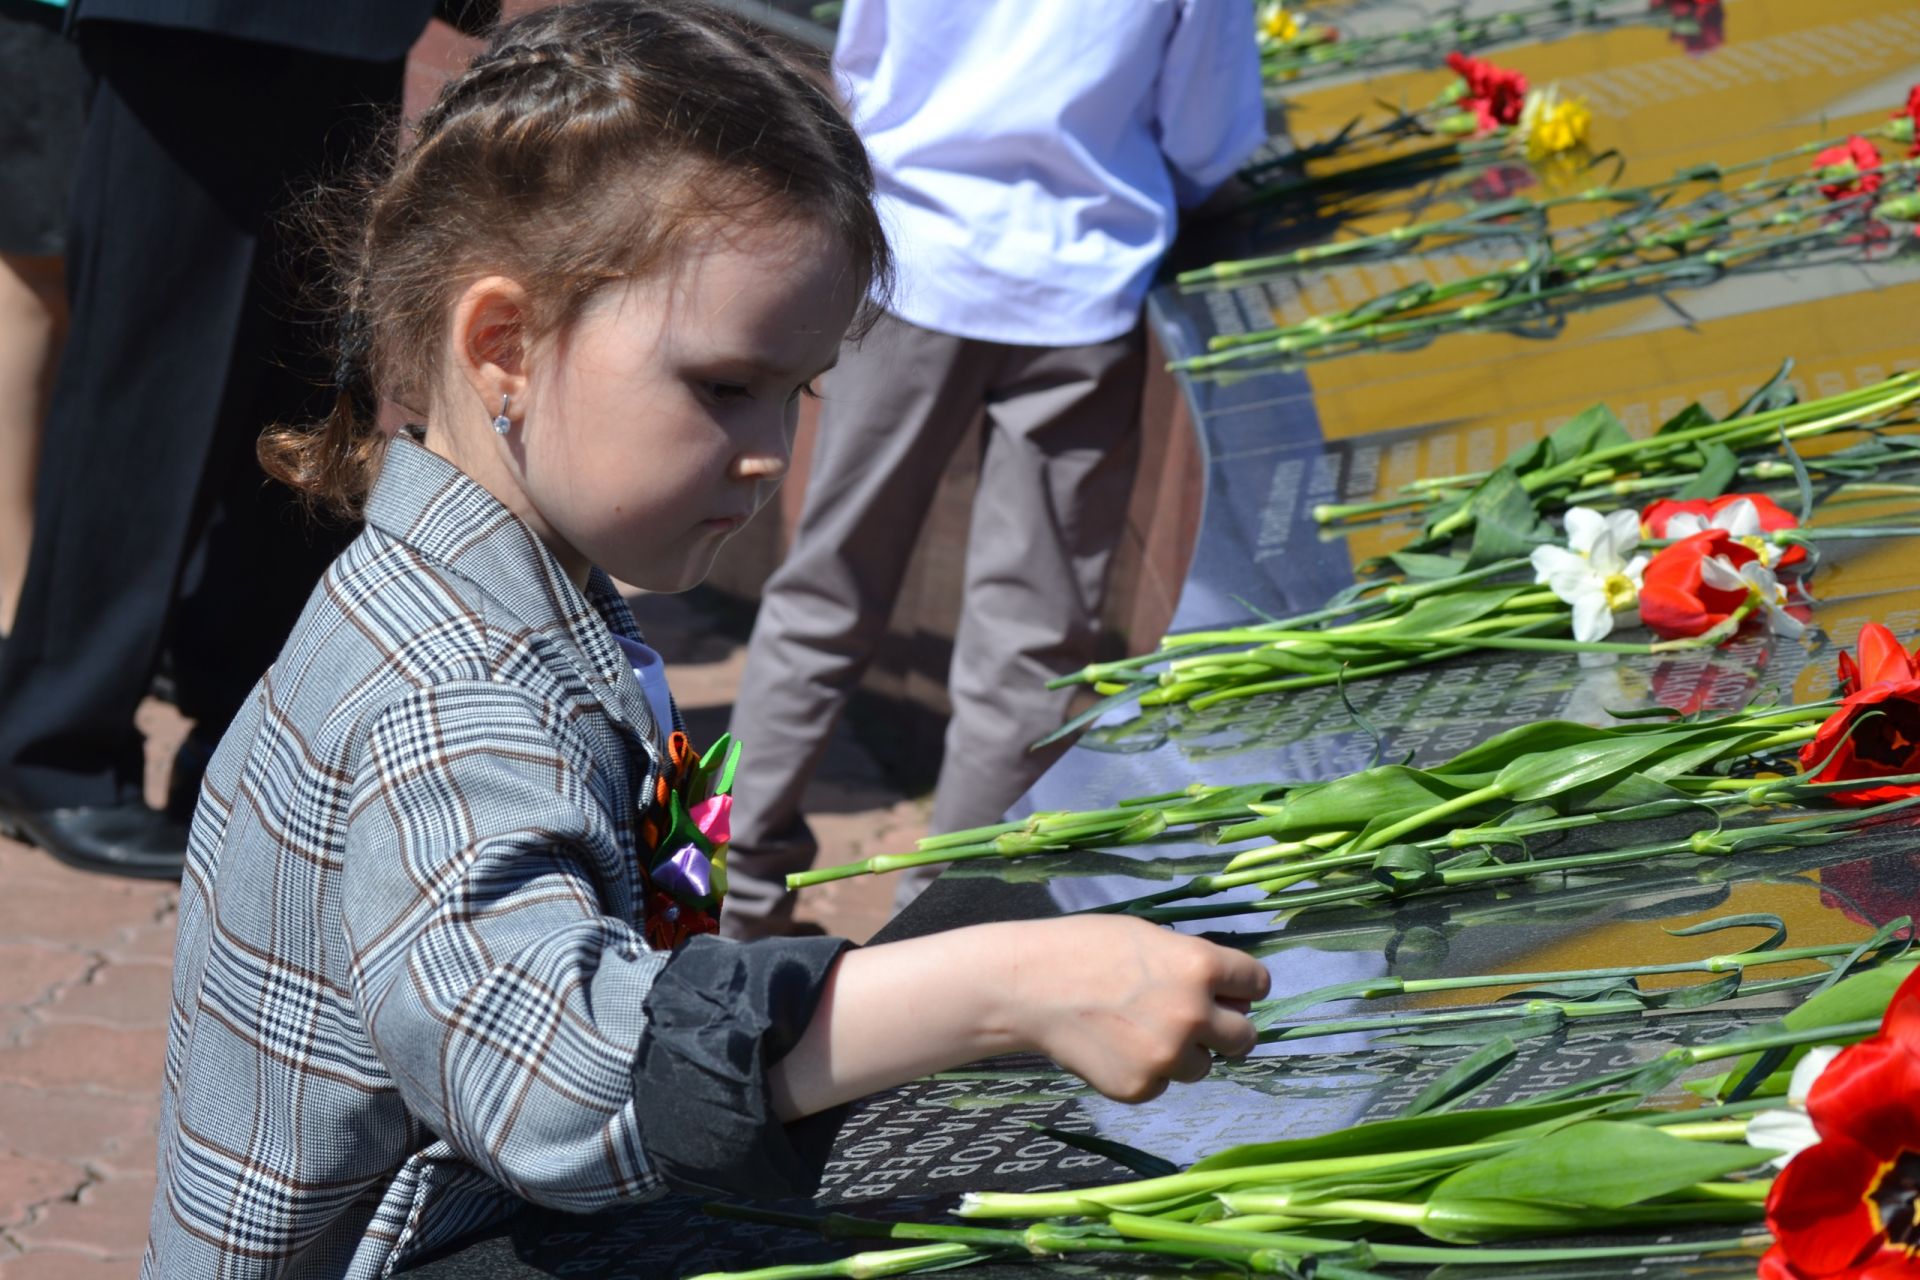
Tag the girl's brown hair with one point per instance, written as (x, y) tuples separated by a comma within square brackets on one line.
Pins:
[(578, 149)]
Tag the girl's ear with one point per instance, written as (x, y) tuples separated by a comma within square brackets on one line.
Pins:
[(491, 328)]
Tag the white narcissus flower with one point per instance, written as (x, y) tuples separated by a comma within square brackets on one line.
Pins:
[(1592, 572), (1740, 518), (1791, 1131), (1759, 582)]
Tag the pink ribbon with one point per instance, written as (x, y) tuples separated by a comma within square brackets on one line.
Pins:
[(714, 817)]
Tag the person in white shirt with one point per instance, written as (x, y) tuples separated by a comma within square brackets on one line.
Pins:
[(1031, 160)]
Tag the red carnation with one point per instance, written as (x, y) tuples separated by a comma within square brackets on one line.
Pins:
[(1911, 114), (1772, 515), (1876, 731), (1844, 1207), (1495, 95), (1699, 25), (1675, 600), (1864, 158)]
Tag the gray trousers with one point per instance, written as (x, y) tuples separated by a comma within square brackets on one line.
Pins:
[(1055, 475)]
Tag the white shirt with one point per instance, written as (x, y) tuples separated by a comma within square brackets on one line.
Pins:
[(1032, 155), (650, 669)]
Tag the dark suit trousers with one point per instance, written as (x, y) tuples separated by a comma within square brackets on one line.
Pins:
[(154, 525)]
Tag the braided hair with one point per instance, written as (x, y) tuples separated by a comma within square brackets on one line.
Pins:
[(578, 149)]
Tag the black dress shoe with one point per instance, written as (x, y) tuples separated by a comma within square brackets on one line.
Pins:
[(125, 839)]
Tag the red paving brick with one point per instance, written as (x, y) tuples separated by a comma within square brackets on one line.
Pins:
[(26, 1182), (107, 1219), (47, 1264), (127, 994), (75, 1124), (84, 970)]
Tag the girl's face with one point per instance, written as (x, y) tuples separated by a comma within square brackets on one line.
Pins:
[(651, 429)]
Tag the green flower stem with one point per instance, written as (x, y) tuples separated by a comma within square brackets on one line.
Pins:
[(1429, 1255), (1389, 987), (1753, 1191), (1334, 512), (861, 1266), (1569, 1010), (1097, 1202), (1397, 237), (1696, 1055), (1714, 843), (1492, 1217), (1200, 699), (1835, 411), (1841, 1031), (1581, 260), (1838, 412), (1268, 854)]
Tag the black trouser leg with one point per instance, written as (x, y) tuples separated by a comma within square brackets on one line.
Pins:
[(188, 337)]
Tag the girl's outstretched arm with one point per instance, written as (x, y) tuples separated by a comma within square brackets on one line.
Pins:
[(1126, 1005)]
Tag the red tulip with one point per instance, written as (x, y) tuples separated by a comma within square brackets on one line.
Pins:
[(1845, 1206), (1717, 512), (1882, 661), (1676, 601), (1876, 731)]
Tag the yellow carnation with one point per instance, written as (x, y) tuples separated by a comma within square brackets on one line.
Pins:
[(1552, 125)]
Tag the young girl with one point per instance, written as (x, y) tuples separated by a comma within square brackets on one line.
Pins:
[(424, 970)]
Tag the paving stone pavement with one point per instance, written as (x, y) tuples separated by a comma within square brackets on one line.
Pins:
[(85, 963)]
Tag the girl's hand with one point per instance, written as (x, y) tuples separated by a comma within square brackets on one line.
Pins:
[(1126, 1005)]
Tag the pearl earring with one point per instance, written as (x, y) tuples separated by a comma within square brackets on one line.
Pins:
[(501, 422)]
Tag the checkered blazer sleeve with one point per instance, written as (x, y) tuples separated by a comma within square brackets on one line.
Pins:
[(504, 999)]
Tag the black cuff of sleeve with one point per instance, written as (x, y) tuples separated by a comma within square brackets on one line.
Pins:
[(719, 1014)]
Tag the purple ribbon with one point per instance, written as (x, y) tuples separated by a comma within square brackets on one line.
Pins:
[(687, 874)]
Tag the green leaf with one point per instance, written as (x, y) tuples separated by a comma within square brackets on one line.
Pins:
[(1463, 1077), (1421, 566), (1635, 791), (1747, 920), (1359, 798), (1509, 745), (1855, 998), (1580, 989), (1268, 1012), (1686, 420), (1697, 994), (1526, 1027), (1144, 1163), (1505, 522), (1600, 1164), (1415, 1133), (1450, 609), (1718, 466), (1594, 427), (1778, 393), (1405, 868), (1536, 777)]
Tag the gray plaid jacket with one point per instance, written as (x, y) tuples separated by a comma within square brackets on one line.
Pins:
[(410, 989)]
